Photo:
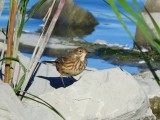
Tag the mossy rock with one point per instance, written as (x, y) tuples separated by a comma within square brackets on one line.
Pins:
[(120, 56), (155, 106)]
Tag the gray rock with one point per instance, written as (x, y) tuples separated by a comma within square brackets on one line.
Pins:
[(10, 106), (98, 95), (148, 83), (110, 94), (73, 21)]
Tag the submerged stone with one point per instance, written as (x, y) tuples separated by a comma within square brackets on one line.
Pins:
[(73, 21)]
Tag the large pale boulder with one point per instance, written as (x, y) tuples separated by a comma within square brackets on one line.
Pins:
[(110, 94), (73, 20), (153, 6)]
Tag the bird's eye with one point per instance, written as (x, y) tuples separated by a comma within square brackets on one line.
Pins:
[(80, 51)]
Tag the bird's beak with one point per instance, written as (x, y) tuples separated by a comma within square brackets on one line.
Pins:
[(90, 51)]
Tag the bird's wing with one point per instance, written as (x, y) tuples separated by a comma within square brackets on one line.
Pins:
[(63, 60)]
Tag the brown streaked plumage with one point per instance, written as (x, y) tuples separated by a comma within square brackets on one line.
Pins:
[(72, 63)]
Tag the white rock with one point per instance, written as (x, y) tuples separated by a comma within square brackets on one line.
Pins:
[(39, 112), (98, 95), (141, 62), (10, 106), (148, 83), (108, 94), (101, 42)]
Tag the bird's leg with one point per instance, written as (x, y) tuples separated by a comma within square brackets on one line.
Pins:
[(62, 81)]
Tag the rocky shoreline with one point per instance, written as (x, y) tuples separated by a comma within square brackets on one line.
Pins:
[(110, 94), (58, 46), (49, 81)]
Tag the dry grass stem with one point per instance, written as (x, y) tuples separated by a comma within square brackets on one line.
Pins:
[(10, 40), (43, 41)]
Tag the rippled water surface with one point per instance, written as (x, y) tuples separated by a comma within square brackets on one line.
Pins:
[(108, 30)]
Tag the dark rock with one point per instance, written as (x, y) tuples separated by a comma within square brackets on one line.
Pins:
[(73, 21), (152, 6), (155, 106), (142, 41)]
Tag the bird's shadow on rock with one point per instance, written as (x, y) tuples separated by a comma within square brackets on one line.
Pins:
[(56, 82)]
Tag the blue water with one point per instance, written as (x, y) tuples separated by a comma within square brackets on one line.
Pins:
[(109, 29), (32, 26), (96, 63)]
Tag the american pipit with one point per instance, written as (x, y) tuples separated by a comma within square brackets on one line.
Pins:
[(72, 63)]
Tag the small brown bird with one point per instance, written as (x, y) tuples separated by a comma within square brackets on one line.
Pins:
[(72, 63)]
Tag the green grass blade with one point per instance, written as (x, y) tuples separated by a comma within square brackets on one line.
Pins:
[(145, 30), (35, 100), (20, 83), (118, 12), (141, 24), (136, 6), (158, 41), (130, 10), (38, 5), (125, 15), (128, 17), (112, 4), (27, 97), (154, 22), (149, 65), (22, 10), (9, 59)]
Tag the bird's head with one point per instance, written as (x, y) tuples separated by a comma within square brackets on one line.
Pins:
[(81, 53)]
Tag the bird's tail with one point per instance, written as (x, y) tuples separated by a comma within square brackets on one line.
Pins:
[(50, 62)]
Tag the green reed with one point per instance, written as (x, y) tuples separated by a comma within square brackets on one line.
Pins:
[(136, 17), (16, 23)]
